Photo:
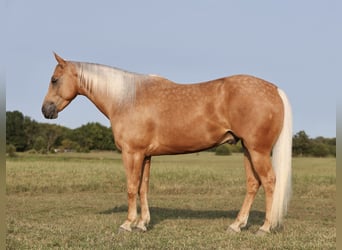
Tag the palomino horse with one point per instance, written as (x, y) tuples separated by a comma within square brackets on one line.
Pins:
[(151, 115)]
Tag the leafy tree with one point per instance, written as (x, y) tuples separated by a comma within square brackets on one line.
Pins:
[(300, 144), (319, 150), (318, 147), (31, 129), (322, 147), (68, 144), (50, 133), (93, 136), (15, 132), (39, 144)]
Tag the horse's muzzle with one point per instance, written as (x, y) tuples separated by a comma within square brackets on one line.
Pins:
[(49, 110)]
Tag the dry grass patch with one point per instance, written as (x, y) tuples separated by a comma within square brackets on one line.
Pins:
[(78, 201)]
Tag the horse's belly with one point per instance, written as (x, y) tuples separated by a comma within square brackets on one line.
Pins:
[(187, 140)]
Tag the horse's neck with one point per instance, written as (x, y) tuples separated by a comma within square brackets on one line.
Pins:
[(105, 84)]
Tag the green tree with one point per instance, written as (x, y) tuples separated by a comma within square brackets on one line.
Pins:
[(15, 133), (68, 144), (51, 133), (322, 146), (94, 136), (319, 149), (39, 144), (300, 144), (332, 150)]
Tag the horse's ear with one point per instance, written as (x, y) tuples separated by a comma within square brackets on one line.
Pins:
[(60, 60)]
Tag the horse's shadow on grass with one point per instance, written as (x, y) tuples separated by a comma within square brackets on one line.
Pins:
[(159, 214)]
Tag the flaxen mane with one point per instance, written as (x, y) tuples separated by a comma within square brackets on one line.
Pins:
[(110, 81)]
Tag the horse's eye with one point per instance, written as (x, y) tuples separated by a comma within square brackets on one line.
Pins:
[(54, 80)]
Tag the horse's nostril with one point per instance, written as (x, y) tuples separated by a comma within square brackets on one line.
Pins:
[(49, 110)]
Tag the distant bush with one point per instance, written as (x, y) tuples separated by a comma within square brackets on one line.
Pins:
[(11, 150), (32, 151), (223, 150), (44, 151)]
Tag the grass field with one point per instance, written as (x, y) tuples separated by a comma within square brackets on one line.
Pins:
[(78, 201)]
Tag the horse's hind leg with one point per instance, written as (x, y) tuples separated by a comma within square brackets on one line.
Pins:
[(253, 184), (263, 168), (143, 191)]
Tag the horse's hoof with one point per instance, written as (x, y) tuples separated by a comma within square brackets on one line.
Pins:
[(140, 229), (140, 226), (261, 232), (124, 229), (233, 230)]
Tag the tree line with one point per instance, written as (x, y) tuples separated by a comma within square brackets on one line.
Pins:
[(25, 134)]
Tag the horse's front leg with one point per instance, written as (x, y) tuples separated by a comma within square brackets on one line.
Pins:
[(133, 167), (143, 191)]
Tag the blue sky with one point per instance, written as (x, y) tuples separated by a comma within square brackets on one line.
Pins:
[(294, 44)]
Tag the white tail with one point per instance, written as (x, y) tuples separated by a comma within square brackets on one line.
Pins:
[(282, 161)]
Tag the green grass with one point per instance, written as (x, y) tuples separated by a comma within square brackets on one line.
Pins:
[(78, 201)]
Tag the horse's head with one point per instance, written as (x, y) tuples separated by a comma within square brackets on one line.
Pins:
[(62, 88)]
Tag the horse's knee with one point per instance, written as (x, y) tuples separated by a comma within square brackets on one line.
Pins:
[(131, 194)]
